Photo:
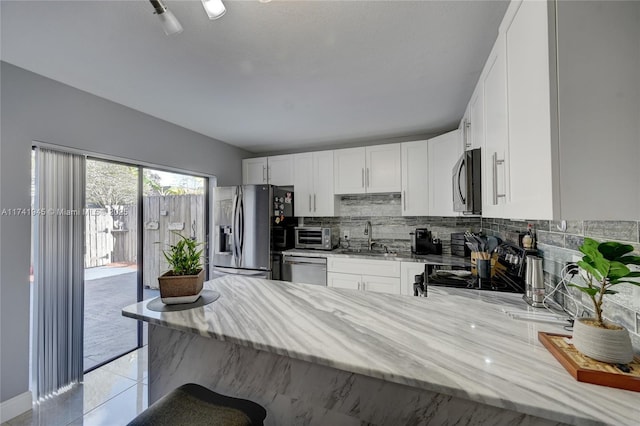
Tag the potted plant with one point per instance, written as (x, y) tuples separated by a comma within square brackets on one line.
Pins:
[(605, 266), (183, 282)]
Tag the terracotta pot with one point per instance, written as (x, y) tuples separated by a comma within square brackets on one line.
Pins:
[(180, 285), (602, 344)]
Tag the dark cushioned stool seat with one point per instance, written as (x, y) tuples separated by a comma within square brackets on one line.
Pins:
[(194, 405)]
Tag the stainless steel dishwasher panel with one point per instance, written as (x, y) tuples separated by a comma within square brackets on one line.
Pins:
[(305, 270)]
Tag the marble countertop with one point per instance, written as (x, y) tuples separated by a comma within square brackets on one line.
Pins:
[(455, 342), (431, 259)]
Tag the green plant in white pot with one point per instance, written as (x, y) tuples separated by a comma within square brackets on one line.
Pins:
[(605, 266), (183, 282)]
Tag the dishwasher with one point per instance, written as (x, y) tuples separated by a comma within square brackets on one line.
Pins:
[(304, 270)]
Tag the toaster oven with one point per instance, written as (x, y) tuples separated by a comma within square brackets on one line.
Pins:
[(313, 238)]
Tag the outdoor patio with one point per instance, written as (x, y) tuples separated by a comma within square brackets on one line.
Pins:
[(107, 333)]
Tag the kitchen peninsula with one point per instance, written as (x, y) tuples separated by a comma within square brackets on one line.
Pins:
[(317, 355)]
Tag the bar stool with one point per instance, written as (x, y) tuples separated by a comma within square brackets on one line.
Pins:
[(195, 405)]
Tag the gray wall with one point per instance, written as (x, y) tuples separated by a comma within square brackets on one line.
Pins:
[(37, 108), (599, 105)]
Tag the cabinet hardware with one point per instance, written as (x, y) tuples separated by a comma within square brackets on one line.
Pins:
[(368, 184), (496, 162), (268, 173), (309, 202), (363, 177), (264, 169), (404, 200), (467, 132), (314, 202)]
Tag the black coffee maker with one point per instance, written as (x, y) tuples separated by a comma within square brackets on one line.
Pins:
[(423, 243)]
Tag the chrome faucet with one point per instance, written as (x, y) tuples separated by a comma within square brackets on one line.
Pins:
[(368, 230)]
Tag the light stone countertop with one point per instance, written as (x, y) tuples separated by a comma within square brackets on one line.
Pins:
[(431, 259), (456, 342)]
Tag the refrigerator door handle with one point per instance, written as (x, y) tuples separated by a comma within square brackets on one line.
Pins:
[(240, 228), (234, 227)]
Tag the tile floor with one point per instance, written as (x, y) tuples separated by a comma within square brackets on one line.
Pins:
[(110, 395)]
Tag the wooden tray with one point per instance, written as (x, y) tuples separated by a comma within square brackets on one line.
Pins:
[(588, 370)]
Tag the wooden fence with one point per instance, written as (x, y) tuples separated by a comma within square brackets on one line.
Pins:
[(111, 234)]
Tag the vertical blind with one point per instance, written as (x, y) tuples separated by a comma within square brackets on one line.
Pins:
[(58, 229)]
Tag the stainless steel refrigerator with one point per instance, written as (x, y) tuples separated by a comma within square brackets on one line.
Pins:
[(242, 220)]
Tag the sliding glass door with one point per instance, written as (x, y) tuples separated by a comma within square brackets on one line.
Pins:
[(131, 214), (110, 260), (174, 205)]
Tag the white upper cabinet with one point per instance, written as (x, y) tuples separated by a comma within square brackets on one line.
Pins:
[(529, 129), (465, 129), (561, 108), (324, 201), (313, 184), (372, 169), (475, 123), (415, 179), (443, 153), (303, 184), (349, 168), (383, 172), (275, 170), (495, 152), (280, 170), (254, 171)]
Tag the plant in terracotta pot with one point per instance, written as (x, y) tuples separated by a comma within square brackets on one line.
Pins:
[(605, 266), (183, 282)]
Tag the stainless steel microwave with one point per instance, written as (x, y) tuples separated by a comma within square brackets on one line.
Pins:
[(313, 238), (467, 192)]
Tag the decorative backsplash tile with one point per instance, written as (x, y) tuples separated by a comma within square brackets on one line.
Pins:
[(558, 247), (390, 228)]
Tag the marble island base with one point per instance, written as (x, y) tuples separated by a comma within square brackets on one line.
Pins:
[(297, 392)]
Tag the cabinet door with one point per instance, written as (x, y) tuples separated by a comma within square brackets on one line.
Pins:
[(338, 280), (530, 183), (415, 179), (381, 284), (444, 152), (280, 170), (323, 199), (303, 184), (465, 130), (476, 133), (495, 167), (383, 169), (408, 271), (349, 171), (254, 171)]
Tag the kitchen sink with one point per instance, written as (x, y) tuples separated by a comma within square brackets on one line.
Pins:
[(360, 252)]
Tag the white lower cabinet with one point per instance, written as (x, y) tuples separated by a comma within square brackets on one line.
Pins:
[(338, 280), (382, 276), (408, 271), (387, 285)]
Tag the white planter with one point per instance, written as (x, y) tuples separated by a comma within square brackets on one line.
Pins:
[(602, 344)]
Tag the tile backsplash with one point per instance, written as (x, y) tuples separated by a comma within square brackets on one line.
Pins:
[(557, 243), (390, 228)]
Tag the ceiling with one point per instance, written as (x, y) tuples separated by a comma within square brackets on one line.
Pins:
[(267, 76)]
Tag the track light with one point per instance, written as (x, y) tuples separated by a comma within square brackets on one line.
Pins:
[(169, 22), (214, 8)]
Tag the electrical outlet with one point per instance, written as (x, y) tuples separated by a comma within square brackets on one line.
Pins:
[(572, 268), (346, 235)]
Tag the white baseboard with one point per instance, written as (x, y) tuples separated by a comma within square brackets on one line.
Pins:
[(15, 406)]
